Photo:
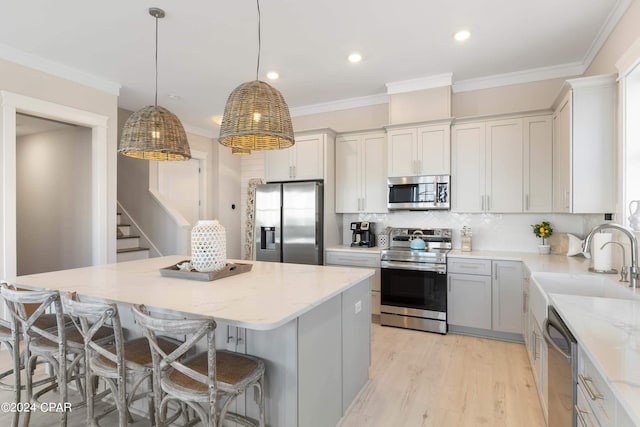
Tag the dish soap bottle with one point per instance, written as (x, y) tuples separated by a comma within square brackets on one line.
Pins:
[(465, 239)]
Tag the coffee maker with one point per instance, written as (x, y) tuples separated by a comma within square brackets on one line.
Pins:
[(363, 234)]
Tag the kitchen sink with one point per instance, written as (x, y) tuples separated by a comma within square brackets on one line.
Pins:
[(589, 285)]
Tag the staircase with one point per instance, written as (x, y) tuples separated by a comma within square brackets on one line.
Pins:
[(128, 246)]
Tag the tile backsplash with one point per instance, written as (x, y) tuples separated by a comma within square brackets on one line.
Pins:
[(491, 232)]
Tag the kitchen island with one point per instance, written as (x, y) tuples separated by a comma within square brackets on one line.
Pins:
[(311, 324)]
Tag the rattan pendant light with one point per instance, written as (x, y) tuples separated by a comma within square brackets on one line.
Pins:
[(154, 133), (256, 116)]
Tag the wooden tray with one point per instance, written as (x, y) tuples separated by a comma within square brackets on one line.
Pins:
[(230, 269)]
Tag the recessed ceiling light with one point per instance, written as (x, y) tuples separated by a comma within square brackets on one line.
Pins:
[(174, 97), (462, 35), (272, 75), (355, 58)]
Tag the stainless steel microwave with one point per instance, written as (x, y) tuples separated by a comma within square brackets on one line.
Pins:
[(418, 192)]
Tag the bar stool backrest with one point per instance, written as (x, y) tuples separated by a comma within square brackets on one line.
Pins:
[(195, 330), (88, 318)]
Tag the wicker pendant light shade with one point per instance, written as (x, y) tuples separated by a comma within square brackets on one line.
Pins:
[(256, 117), (154, 133)]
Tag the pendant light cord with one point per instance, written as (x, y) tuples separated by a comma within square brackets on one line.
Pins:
[(156, 98), (259, 41)]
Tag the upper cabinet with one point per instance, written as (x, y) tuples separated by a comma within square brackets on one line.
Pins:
[(361, 172), (584, 146), (304, 161), (537, 163), (498, 165), (419, 149)]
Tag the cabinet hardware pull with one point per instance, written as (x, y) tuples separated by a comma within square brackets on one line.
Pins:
[(229, 336), (495, 273), (579, 413), (294, 171), (594, 394)]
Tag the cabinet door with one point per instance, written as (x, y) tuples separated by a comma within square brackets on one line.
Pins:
[(562, 157), (538, 164), (507, 296), (434, 150), (504, 166), (277, 165), (374, 176), (402, 152), (348, 174), (308, 158), (468, 168), (469, 301)]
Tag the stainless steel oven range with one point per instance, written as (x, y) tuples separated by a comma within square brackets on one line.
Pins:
[(414, 281)]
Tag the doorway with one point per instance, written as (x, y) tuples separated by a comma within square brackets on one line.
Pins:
[(102, 226), (53, 195)]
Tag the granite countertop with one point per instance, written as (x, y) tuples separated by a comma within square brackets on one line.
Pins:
[(268, 296)]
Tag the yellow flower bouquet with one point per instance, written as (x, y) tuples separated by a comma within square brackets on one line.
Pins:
[(542, 230)]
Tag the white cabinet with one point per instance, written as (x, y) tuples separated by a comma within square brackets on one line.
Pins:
[(487, 166), (419, 150), (361, 173), (486, 295), (304, 161), (469, 293), (360, 258), (538, 358), (498, 166), (507, 296), (538, 164), (584, 146)]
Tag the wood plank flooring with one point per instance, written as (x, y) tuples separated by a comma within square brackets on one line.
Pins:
[(424, 379), (419, 379)]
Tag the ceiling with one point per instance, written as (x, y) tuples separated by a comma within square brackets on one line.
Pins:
[(207, 48)]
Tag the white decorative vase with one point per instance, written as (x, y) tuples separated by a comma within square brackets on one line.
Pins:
[(208, 246), (544, 249)]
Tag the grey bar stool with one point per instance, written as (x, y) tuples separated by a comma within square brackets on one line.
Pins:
[(116, 362), (62, 348), (205, 380)]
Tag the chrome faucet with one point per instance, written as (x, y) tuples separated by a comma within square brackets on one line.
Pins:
[(623, 269), (633, 269)]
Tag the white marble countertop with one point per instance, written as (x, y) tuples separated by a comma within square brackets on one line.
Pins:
[(268, 296), (348, 248), (533, 261), (608, 330)]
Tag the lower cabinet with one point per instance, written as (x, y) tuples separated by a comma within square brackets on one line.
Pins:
[(596, 402), (360, 258), (537, 350), (485, 295), (469, 300)]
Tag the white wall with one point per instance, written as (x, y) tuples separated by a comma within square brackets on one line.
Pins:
[(229, 198), (53, 200)]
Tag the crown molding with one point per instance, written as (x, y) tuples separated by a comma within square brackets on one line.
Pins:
[(56, 69), (605, 31), (343, 104), (421, 83), (526, 76)]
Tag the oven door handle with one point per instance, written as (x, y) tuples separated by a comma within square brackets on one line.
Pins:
[(433, 268)]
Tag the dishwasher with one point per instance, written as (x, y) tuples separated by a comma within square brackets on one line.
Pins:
[(562, 365)]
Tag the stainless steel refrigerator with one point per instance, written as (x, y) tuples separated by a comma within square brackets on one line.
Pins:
[(289, 222)]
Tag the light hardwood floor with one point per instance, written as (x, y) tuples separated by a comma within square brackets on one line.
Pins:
[(424, 379), (420, 379)]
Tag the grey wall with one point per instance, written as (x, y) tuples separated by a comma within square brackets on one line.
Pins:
[(53, 200)]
